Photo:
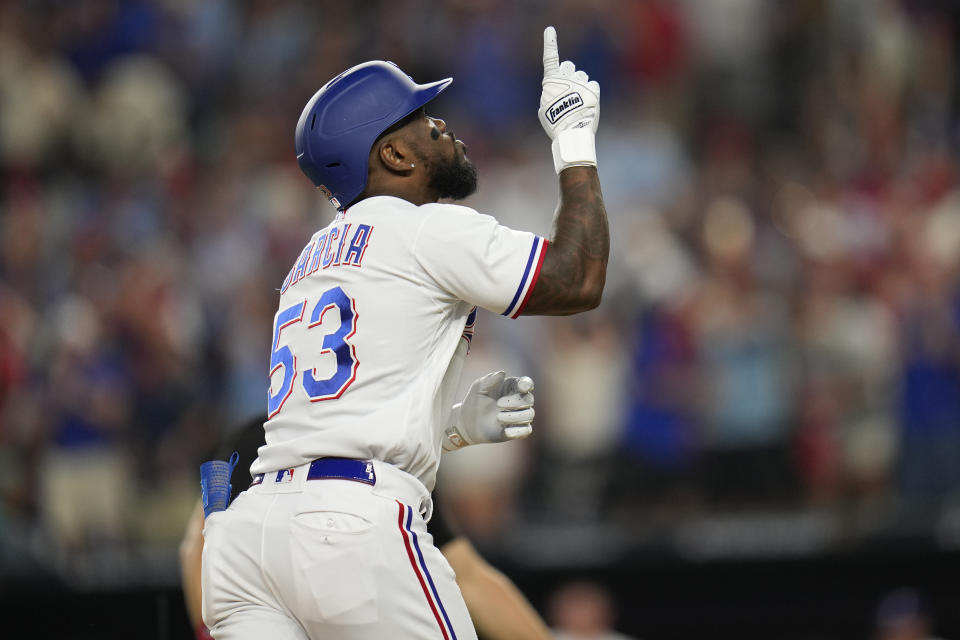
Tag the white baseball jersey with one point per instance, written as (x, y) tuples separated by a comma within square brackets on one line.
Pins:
[(374, 320)]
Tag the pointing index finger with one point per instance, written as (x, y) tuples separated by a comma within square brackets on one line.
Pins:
[(551, 57)]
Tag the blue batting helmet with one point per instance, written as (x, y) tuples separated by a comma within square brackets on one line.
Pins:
[(343, 119)]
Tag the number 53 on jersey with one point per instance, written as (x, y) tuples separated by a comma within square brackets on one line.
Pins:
[(335, 345)]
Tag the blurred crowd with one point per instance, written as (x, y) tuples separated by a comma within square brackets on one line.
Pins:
[(781, 325)]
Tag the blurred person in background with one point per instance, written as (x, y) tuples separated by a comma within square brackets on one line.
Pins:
[(18, 401), (659, 445), (846, 444), (902, 614), (929, 389), (740, 327), (582, 611), (86, 479), (582, 382)]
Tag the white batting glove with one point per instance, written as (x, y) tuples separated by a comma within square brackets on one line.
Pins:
[(496, 408), (569, 108)]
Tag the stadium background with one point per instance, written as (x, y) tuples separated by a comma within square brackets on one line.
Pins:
[(758, 432)]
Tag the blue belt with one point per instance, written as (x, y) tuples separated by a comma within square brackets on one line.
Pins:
[(330, 469)]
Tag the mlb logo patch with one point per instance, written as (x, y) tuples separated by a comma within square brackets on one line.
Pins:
[(330, 196), (284, 475)]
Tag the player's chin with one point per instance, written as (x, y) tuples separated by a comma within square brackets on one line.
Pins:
[(455, 180), (460, 194), (469, 179)]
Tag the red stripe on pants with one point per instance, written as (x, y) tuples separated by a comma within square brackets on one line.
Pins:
[(416, 570)]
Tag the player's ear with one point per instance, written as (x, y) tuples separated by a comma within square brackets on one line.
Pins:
[(395, 155)]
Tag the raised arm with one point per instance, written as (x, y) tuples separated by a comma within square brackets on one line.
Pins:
[(574, 267)]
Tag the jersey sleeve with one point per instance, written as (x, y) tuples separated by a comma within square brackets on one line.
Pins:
[(474, 258)]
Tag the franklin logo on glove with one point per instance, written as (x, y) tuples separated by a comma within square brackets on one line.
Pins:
[(563, 106)]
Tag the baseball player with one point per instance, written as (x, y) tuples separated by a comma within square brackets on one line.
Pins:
[(496, 606), (374, 322)]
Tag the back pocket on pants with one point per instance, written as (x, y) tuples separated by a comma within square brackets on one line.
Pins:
[(333, 558)]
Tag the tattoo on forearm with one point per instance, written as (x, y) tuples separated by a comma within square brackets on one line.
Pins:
[(576, 261)]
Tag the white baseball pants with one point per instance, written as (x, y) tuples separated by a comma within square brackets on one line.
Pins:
[(310, 559)]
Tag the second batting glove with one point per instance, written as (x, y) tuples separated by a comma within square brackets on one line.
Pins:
[(569, 108), (496, 408)]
